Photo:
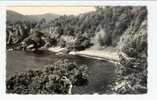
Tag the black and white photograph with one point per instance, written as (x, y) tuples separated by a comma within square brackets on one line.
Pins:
[(76, 50)]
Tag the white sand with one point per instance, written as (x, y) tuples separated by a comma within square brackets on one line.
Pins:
[(107, 54), (56, 49), (99, 54)]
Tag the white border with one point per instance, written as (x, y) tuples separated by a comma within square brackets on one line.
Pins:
[(152, 48)]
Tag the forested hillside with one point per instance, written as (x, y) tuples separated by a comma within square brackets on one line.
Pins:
[(104, 27), (123, 28), (13, 17)]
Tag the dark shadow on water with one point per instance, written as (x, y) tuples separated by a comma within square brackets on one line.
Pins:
[(39, 53)]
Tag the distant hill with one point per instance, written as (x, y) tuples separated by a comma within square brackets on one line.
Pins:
[(47, 16), (13, 17)]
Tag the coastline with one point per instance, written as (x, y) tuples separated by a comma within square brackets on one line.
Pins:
[(56, 49), (105, 54)]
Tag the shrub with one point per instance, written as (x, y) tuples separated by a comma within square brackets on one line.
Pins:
[(132, 74), (53, 79)]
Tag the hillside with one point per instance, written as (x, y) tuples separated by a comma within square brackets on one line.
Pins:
[(37, 18), (13, 17), (102, 28), (122, 28)]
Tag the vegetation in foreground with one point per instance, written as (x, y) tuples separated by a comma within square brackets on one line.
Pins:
[(58, 78), (132, 73)]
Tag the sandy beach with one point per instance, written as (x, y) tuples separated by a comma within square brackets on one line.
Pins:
[(106, 54)]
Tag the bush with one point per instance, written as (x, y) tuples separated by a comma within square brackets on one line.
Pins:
[(81, 43), (53, 79), (132, 74)]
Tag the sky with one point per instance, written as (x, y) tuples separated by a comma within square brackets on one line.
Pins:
[(60, 10)]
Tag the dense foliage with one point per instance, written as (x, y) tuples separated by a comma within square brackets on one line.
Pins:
[(132, 74), (124, 28), (27, 35), (102, 27), (53, 79)]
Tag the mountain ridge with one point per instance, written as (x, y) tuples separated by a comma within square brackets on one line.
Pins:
[(13, 17)]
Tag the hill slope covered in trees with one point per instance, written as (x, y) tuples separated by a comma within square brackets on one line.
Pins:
[(123, 28), (104, 27), (14, 17)]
